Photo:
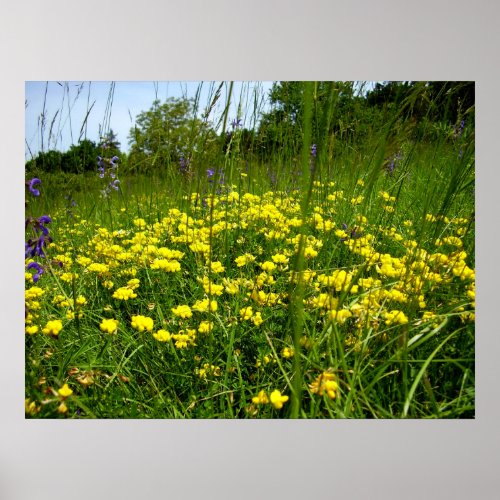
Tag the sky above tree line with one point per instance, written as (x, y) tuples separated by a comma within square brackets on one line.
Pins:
[(59, 114)]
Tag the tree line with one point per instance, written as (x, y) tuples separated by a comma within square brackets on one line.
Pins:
[(171, 134)]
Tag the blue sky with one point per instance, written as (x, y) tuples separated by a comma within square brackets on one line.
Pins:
[(67, 104)]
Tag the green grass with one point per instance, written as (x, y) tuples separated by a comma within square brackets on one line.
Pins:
[(393, 259)]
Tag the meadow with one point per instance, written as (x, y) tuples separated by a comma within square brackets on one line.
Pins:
[(332, 281)]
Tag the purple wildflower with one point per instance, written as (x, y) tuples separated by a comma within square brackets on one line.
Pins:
[(34, 247), (39, 270), (45, 219), (110, 173), (33, 182), (184, 168), (313, 150)]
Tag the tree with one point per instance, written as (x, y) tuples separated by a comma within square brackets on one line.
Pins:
[(166, 133), (334, 110), (436, 101), (48, 161), (109, 145), (81, 157)]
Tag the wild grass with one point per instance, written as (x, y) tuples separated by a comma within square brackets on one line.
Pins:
[(333, 285)]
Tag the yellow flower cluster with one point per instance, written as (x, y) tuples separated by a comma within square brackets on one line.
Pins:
[(325, 384), (162, 335), (142, 323), (109, 326), (53, 327), (183, 311), (275, 398), (207, 370), (124, 293), (204, 305)]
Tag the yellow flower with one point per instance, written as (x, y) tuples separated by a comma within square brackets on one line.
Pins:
[(358, 200), (217, 267), (261, 398), (277, 399), (268, 266), (133, 283), (325, 383), (231, 287), (124, 293), (33, 293), (65, 391), (257, 319), (246, 313), (204, 305), (280, 258), (287, 352), (68, 277), (340, 316), (53, 327), (30, 407), (62, 408), (162, 335), (182, 311), (109, 325), (81, 300), (310, 252), (244, 259), (142, 323), (395, 316), (31, 330), (98, 268), (170, 266), (205, 327), (211, 288)]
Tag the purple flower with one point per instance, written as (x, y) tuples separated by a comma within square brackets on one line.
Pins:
[(210, 172), (115, 184), (313, 150), (33, 182), (38, 268), (184, 165), (236, 123), (114, 159), (34, 247), (45, 219)]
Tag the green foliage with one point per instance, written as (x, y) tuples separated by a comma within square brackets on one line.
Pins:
[(79, 158), (109, 145), (168, 132)]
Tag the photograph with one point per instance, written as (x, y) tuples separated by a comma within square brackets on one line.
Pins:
[(288, 249)]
